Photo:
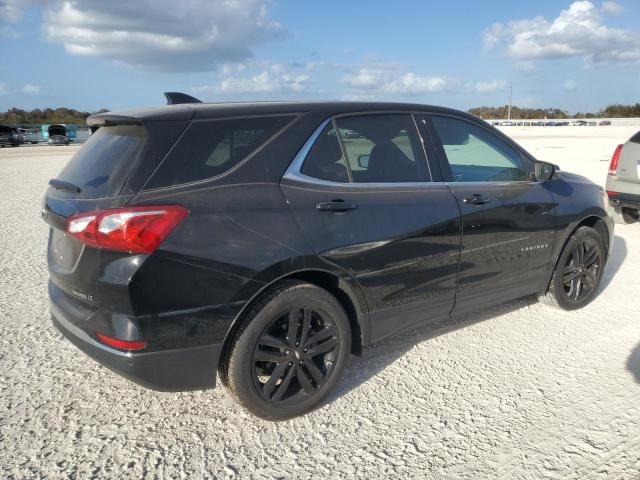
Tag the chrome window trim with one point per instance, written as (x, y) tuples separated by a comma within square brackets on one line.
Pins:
[(294, 172)]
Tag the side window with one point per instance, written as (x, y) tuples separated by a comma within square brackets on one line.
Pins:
[(476, 155), (210, 148), (325, 161), (383, 148)]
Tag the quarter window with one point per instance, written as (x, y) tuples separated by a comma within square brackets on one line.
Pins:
[(210, 148), (476, 155)]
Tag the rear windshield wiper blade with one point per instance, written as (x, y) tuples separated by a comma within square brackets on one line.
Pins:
[(62, 185)]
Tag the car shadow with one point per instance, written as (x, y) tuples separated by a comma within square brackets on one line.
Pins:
[(633, 363), (616, 258), (375, 358)]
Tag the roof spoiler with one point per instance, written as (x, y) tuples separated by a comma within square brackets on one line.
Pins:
[(106, 119), (176, 98)]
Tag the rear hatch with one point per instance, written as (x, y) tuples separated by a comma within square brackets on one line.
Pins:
[(104, 174)]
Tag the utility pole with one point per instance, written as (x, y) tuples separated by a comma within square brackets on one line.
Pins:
[(510, 95)]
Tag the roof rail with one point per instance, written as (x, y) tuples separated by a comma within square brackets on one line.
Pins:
[(175, 98)]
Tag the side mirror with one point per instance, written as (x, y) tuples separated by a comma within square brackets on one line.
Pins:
[(545, 171), (363, 161)]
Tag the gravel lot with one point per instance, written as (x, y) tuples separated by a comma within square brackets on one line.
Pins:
[(519, 391)]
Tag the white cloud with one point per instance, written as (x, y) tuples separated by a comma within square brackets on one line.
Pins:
[(3, 89), (612, 7), (490, 87), (570, 85), (31, 89), (578, 31), (162, 35), (270, 78), (11, 10), (387, 81)]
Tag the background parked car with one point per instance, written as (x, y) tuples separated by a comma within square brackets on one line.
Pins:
[(58, 135), (623, 181), (9, 136), (27, 136)]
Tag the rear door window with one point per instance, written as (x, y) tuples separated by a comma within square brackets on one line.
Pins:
[(211, 148), (102, 165), (376, 148), (383, 148)]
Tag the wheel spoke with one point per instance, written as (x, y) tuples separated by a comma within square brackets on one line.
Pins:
[(320, 336), (270, 341), (569, 276), (282, 388), (578, 254), (315, 372), (591, 257), (268, 387), (292, 330), (306, 324), (269, 356), (578, 290), (305, 383), (323, 347)]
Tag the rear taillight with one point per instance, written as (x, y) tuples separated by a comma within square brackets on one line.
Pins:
[(121, 344), (134, 229), (613, 166)]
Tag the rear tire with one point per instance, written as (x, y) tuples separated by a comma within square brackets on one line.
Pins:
[(625, 216), (289, 351), (578, 271)]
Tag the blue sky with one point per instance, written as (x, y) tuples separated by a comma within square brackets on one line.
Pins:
[(578, 55)]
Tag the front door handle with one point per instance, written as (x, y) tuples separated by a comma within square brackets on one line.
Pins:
[(476, 199), (337, 205)]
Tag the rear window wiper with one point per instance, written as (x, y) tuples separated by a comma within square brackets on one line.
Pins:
[(62, 185)]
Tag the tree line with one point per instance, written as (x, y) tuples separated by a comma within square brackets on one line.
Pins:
[(611, 111), (46, 115), (72, 116)]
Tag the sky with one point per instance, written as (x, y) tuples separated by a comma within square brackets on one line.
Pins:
[(575, 55)]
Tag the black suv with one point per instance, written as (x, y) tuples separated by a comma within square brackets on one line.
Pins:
[(268, 241)]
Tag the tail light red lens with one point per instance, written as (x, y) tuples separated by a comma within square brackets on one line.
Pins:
[(121, 344), (133, 229), (613, 166)]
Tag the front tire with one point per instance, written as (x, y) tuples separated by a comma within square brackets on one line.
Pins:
[(578, 271), (289, 352)]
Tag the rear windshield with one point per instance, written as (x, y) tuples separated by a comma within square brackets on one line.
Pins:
[(635, 138), (210, 148), (102, 165)]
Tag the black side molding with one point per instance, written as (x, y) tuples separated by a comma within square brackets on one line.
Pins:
[(176, 98)]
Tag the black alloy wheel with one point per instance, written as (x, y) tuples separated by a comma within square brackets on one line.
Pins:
[(581, 271), (578, 271), (295, 355), (288, 352)]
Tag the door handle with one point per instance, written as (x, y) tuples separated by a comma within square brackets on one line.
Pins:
[(476, 199), (337, 205)]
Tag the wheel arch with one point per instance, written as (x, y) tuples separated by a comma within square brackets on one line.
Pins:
[(345, 291)]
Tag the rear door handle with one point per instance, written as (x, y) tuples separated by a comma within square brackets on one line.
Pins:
[(476, 199), (337, 205)]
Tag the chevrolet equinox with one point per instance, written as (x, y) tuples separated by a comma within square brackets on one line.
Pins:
[(266, 242)]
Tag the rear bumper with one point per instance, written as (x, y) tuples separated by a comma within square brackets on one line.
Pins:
[(627, 200), (192, 368)]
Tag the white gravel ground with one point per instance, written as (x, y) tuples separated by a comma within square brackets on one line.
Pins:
[(519, 391)]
